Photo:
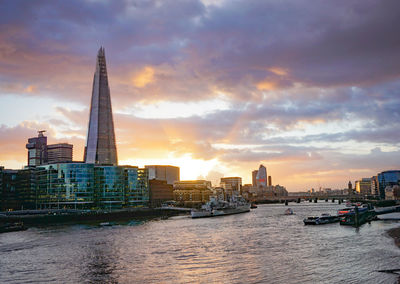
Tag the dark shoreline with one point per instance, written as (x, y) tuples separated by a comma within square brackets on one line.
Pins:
[(93, 216), (395, 234)]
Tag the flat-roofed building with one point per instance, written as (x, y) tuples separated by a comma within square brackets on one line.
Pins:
[(91, 186), (17, 189), (168, 173), (192, 193), (160, 191), (363, 186), (59, 153), (231, 185), (254, 177)]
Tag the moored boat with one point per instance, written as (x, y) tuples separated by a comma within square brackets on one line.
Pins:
[(324, 219), (12, 227), (356, 216), (107, 224), (216, 207), (351, 210)]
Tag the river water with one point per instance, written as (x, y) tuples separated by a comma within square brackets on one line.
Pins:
[(262, 246)]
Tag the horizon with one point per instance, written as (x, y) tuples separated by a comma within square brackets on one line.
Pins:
[(227, 87)]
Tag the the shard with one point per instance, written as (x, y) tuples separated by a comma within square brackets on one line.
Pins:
[(100, 144)]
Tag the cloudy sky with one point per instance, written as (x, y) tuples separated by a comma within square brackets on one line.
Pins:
[(310, 89)]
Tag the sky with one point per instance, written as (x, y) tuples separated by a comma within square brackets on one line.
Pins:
[(310, 89)]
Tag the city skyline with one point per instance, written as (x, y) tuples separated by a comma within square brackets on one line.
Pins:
[(227, 87)]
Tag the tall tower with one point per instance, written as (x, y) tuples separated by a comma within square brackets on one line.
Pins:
[(262, 176), (37, 149), (100, 145)]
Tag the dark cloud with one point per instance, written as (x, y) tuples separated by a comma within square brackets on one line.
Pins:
[(230, 47), (280, 65)]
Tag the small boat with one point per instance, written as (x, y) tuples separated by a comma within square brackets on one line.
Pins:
[(106, 224), (289, 211), (12, 227), (324, 219)]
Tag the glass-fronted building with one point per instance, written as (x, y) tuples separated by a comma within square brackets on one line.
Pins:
[(74, 185), (66, 185), (109, 186), (17, 189), (137, 186), (388, 178), (90, 186)]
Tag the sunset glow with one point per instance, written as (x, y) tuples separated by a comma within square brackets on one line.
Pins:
[(308, 98)]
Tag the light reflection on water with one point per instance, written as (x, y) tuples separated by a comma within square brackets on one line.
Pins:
[(263, 246)]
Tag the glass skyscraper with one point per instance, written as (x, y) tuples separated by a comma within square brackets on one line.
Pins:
[(100, 145)]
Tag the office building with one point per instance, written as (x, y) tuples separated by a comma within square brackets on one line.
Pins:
[(163, 172), (160, 191), (374, 186), (59, 153), (363, 186), (39, 153), (100, 145), (137, 187), (88, 186), (192, 193), (269, 181), (254, 177), (261, 178), (387, 178), (231, 185), (37, 149), (17, 189), (66, 185)]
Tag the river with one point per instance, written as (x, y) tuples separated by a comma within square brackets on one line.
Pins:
[(262, 246)]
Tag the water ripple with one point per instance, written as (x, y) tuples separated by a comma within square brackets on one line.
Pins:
[(263, 246)]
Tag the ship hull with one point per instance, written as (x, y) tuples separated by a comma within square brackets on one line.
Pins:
[(220, 212)]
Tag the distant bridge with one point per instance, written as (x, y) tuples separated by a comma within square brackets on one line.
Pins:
[(295, 198)]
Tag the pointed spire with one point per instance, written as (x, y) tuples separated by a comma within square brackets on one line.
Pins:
[(100, 145), (101, 52)]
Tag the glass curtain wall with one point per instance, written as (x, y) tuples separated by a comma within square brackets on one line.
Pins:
[(110, 186), (67, 185), (137, 187)]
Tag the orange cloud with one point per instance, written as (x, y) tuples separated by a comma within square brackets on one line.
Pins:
[(278, 71), (30, 89), (144, 77), (266, 85)]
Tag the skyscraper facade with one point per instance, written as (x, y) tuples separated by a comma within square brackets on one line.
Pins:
[(262, 176), (37, 149), (100, 145)]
